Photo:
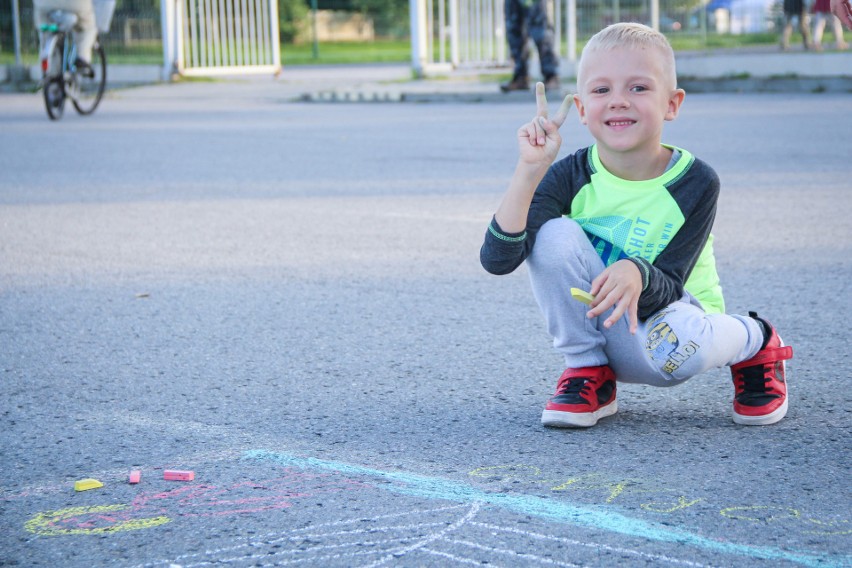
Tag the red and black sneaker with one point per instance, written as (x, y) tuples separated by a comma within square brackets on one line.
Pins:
[(760, 383), (583, 396)]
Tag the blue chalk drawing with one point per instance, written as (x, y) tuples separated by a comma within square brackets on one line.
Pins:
[(427, 487)]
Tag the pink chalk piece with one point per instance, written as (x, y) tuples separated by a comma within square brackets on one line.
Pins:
[(135, 476), (178, 475)]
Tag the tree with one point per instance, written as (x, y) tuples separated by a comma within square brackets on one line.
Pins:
[(390, 17), (292, 17)]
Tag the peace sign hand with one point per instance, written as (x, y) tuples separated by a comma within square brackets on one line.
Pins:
[(539, 140)]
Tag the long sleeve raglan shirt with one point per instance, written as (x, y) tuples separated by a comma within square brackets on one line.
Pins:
[(662, 225)]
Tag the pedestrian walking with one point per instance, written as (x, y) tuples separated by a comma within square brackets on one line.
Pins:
[(822, 16), (795, 10)]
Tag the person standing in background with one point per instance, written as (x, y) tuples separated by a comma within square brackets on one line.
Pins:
[(795, 9), (525, 19), (822, 15)]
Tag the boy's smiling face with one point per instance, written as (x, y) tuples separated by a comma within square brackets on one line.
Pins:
[(625, 96)]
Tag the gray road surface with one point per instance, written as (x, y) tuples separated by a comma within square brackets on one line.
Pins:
[(286, 299)]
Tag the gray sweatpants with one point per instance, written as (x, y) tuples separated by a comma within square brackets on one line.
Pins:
[(674, 344)]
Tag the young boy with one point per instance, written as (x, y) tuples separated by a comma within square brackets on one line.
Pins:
[(628, 219)]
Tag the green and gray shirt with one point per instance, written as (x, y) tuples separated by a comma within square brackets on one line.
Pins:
[(662, 225)]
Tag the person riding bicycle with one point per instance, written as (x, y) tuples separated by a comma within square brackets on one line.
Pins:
[(85, 31)]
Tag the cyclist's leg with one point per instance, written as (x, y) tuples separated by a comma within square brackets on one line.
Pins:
[(86, 31)]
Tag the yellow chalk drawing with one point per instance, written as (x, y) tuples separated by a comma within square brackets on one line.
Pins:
[(507, 472), (761, 513), (670, 507), (46, 523), (625, 488), (582, 482), (831, 527), (589, 481)]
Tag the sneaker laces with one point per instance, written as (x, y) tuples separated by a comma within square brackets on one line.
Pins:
[(572, 385), (755, 380)]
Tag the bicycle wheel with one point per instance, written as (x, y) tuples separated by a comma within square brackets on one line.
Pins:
[(54, 97), (88, 91), (53, 86)]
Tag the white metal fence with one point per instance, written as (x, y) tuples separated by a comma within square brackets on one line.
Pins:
[(459, 33), (471, 33), (220, 37)]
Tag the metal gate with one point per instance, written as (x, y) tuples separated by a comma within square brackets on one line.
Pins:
[(452, 34), (220, 37)]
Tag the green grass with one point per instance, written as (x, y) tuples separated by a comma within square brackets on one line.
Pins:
[(693, 42), (378, 51), (386, 51)]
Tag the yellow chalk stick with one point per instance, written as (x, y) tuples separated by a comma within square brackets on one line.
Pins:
[(584, 297), (86, 484)]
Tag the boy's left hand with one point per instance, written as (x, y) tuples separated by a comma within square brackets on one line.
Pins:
[(619, 285)]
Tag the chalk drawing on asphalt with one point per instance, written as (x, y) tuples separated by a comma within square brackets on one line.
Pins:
[(153, 508), (429, 487), (449, 533)]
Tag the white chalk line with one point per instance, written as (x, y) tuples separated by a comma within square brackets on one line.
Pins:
[(313, 559), (596, 546), (276, 536), (474, 509), (310, 551), (457, 559), (423, 544), (514, 553)]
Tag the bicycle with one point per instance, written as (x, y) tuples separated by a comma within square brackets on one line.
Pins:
[(61, 79)]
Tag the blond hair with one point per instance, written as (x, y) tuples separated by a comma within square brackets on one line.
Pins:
[(632, 36)]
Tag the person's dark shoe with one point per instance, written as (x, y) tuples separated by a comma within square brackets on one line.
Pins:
[(84, 69), (516, 84), (760, 383)]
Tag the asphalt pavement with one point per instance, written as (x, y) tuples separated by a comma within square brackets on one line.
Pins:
[(285, 298)]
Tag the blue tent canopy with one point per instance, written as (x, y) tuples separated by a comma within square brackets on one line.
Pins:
[(719, 4)]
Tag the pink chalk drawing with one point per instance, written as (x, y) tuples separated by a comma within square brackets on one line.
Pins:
[(149, 509)]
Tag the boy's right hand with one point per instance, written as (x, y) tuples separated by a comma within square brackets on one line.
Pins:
[(539, 140)]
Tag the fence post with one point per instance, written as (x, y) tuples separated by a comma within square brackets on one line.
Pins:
[(167, 19), (276, 33), (419, 37), (455, 56), (572, 30), (16, 31)]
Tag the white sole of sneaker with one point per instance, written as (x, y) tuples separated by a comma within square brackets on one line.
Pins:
[(559, 419), (765, 420)]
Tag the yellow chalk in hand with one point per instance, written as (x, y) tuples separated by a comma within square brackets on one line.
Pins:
[(86, 484), (582, 296)]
